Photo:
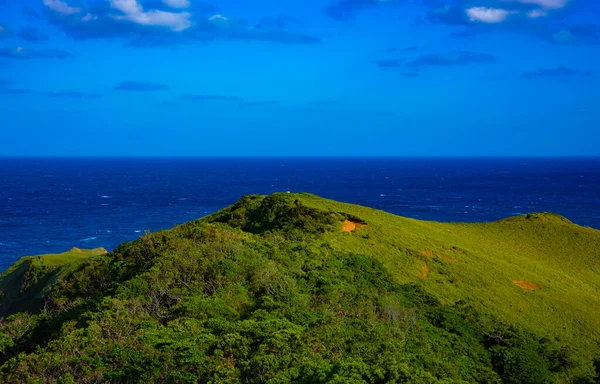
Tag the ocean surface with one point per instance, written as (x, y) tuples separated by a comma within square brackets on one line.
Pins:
[(52, 205)]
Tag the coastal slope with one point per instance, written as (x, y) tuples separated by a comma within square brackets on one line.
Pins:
[(297, 288), (26, 283)]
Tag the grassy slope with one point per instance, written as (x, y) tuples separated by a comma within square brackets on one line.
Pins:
[(479, 262), (474, 263), (28, 280)]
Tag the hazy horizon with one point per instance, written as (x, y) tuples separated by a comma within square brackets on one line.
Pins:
[(299, 157)]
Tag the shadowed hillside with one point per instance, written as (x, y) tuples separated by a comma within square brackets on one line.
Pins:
[(296, 288)]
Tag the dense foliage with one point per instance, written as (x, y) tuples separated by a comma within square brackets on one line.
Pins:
[(254, 294)]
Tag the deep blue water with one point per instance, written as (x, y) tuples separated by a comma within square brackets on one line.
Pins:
[(51, 205)]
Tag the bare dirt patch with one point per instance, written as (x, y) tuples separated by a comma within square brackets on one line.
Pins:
[(526, 285), (424, 272), (351, 226), (448, 259), (431, 254)]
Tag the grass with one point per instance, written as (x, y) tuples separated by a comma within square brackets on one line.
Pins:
[(72, 256), (537, 272), (26, 282), (479, 262)]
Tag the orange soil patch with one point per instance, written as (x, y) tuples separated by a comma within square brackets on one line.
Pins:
[(448, 259), (351, 226), (431, 254), (425, 272), (526, 285)]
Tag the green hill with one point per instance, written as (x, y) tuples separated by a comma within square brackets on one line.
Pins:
[(25, 284), (296, 288)]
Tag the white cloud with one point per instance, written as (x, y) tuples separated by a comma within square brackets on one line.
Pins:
[(180, 4), (127, 6), (536, 13), (549, 4), (89, 17), (61, 7), (218, 18), (135, 13), (487, 15)]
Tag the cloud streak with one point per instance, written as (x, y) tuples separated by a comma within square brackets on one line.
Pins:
[(6, 89), (178, 4), (260, 103), (411, 48), (61, 7), (137, 86), (210, 97), (413, 67), (22, 53), (450, 59), (222, 98), (15, 91), (487, 15), (549, 4), (547, 73), (545, 19), (576, 34), (33, 35), (529, 17), (73, 95), (390, 63), (140, 27), (134, 12)]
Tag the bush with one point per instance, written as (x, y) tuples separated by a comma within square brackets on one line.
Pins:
[(520, 365)]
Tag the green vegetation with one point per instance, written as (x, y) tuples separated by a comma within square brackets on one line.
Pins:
[(27, 282), (272, 290)]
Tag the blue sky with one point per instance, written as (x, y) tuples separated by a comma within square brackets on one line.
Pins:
[(300, 78)]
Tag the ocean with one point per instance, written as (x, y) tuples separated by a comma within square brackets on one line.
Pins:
[(49, 205)]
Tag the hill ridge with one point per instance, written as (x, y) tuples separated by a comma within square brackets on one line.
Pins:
[(273, 289)]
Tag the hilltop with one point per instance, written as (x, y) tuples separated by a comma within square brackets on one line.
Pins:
[(26, 283), (297, 288)]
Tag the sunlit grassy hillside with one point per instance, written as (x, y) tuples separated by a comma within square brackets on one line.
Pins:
[(24, 285), (296, 288), (480, 263)]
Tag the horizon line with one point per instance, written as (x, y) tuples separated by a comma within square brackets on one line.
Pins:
[(267, 157)]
